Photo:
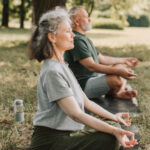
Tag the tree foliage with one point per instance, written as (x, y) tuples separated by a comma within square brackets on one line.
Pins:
[(119, 9)]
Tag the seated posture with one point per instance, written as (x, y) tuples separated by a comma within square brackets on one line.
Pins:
[(60, 117), (97, 74)]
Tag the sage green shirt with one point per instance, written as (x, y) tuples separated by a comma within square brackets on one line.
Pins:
[(83, 48)]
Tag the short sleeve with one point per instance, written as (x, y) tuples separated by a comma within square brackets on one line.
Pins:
[(55, 86), (80, 50), (97, 52)]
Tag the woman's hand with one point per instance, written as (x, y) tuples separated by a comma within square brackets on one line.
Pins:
[(125, 138), (123, 118)]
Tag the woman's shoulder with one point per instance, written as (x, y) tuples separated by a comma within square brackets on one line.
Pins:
[(51, 66)]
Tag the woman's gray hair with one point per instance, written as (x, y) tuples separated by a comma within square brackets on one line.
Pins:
[(49, 21), (40, 47)]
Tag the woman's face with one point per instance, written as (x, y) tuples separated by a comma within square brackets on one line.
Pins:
[(64, 37)]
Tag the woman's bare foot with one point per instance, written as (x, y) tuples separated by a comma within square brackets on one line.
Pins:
[(126, 94)]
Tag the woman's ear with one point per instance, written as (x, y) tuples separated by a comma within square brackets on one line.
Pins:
[(51, 37)]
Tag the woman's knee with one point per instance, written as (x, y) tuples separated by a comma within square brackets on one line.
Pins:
[(107, 141), (113, 143)]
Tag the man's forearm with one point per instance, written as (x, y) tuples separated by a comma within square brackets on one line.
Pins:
[(107, 60), (104, 69)]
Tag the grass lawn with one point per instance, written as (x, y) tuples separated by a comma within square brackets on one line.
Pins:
[(18, 80)]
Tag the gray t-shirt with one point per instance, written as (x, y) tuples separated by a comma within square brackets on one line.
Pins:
[(56, 81)]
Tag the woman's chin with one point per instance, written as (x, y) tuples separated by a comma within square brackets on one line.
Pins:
[(71, 47)]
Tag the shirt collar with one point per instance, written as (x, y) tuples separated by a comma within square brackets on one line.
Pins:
[(78, 33)]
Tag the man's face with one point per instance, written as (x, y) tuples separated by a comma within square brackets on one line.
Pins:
[(84, 20)]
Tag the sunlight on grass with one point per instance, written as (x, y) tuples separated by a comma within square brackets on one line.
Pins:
[(117, 38)]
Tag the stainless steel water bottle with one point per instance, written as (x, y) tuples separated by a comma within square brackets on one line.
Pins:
[(18, 110)]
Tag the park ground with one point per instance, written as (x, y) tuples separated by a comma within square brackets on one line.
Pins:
[(18, 79)]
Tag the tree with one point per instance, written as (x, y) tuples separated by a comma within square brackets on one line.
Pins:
[(41, 6), (22, 14), (20, 9), (122, 8), (5, 13)]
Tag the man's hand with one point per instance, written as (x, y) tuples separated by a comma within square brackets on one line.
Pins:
[(123, 118), (131, 62), (125, 72)]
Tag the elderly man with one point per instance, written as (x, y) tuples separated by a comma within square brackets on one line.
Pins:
[(97, 74)]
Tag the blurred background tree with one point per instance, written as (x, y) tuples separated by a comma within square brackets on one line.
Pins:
[(5, 13), (114, 14), (117, 14), (41, 6), (15, 9), (21, 9)]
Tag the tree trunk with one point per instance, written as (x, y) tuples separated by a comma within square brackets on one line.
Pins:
[(41, 6), (91, 7), (22, 14), (5, 13)]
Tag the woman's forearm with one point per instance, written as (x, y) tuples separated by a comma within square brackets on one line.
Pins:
[(72, 109), (95, 123), (98, 110)]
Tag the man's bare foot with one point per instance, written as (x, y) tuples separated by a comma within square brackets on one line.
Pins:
[(126, 94)]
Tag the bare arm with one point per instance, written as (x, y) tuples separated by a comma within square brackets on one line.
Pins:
[(94, 67), (108, 60), (72, 109), (98, 110)]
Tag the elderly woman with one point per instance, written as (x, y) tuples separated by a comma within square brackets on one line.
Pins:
[(60, 118)]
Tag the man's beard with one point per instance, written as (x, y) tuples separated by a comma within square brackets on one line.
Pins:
[(87, 27)]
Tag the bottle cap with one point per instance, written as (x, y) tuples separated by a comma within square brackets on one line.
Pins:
[(18, 102)]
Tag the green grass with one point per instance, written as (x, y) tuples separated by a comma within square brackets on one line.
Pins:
[(18, 80), (141, 84), (107, 23)]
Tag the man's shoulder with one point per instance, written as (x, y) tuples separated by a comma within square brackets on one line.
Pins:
[(79, 36), (80, 40)]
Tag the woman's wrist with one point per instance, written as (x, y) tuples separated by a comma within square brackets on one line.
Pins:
[(115, 118), (114, 129)]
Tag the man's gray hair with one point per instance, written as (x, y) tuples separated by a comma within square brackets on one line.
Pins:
[(74, 12)]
